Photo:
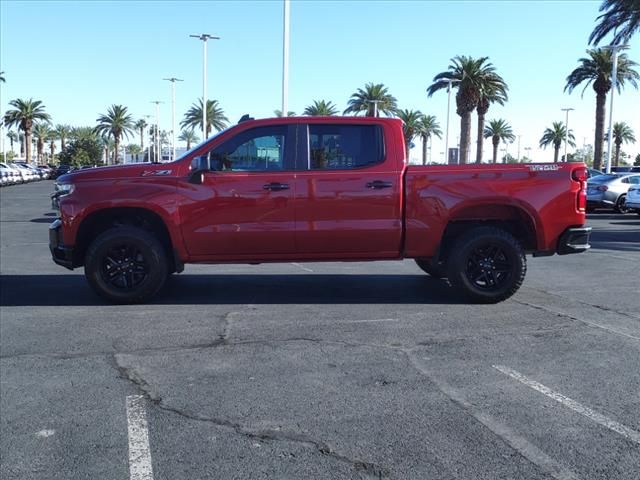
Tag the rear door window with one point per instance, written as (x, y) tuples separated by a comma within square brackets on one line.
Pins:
[(344, 147)]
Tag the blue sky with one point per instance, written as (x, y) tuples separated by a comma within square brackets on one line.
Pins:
[(80, 57)]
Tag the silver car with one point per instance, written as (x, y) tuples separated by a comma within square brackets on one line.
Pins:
[(610, 191)]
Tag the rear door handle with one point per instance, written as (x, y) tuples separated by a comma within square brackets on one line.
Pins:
[(377, 184), (275, 186)]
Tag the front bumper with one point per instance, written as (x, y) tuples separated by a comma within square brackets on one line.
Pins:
[(61, 254), (574, 240)]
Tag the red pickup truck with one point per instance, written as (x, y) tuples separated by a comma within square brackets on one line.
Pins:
[(315, 189)]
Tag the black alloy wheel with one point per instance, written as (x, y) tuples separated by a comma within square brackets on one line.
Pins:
[(488, 264), (126, 265)]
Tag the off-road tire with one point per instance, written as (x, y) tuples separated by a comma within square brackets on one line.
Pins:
[(432, 268), (126, 265), (487, 264)]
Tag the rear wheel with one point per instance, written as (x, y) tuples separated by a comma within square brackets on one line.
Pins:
[(126, 265), (488, 264), (431, 267), (620, 205)]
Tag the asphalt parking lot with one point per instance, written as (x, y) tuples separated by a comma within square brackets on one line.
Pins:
[(319, 371)]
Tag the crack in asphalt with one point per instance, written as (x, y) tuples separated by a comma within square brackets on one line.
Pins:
[(370, 470), (599, 307)]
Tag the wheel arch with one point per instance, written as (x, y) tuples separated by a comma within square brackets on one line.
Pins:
[(103, 219)]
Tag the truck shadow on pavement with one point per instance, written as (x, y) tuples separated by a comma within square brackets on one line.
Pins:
[(189, 289), (622, 240)]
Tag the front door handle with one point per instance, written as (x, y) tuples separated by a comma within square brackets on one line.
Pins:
[(377, 184), (275, 186)]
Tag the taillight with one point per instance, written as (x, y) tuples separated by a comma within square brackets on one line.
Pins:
[(580, 174), (602, 188)]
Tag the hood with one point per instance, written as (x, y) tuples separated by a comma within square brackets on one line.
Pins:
[(121, 171)]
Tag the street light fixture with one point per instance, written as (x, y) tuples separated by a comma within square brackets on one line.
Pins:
[(285, 59), (173, 81), (566, 130), (204, 37)]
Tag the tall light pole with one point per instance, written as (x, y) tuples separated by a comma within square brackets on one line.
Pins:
[(566, 131), (173, 81), (446, 136), (156, 147), (285, 59), (204, 37), (614, 85), (149, 145), (519, 136)]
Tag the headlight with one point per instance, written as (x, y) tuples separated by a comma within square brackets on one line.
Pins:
[(64, 188)]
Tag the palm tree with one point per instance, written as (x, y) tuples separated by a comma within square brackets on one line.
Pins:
[(427, 127), (2, 80), (493, 89), (596, 69), (63, 132), (622, 17), (140, 126), (24, 114), (215, 117), (41, 132), (278, 113), (555, 136), (410, 126), (13, 137), (321, 109), (467, 75), (622, 133), (188, 136), (372, 100), (53, 136), (500, 131), (81, 133), (116, 123)]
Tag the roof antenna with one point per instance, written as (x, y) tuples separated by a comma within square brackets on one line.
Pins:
[(245, 118)]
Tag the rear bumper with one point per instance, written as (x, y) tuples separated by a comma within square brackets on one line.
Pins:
[(61, 254), (574, 240)]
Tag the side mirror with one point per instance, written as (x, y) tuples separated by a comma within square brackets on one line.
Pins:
[(199, 165)]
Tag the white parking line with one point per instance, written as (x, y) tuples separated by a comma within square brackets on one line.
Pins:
[(139, 452), (623, 430)]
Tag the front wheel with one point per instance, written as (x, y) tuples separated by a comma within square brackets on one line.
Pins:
[(126, 265), (488, 264)]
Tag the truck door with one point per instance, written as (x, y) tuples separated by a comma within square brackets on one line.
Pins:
[(245, 203), (348, 194)]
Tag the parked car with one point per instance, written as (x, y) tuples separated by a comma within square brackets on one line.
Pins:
[(17, 173), (315, 189), (625, 169), (610, 191), (61, 169), (633, 198), (593, 172), (28, 175), (6, 177)]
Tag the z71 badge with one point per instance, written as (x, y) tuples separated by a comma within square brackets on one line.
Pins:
[(148, 173)]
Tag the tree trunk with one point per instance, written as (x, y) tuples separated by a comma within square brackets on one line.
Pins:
[(116, 150), (617, 157), (465, 137), (27, 141), (188, 144), (601, 100), (142, 139), (62, 142), (496, 144), (424, 150), (556, 151), (480, 142)]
